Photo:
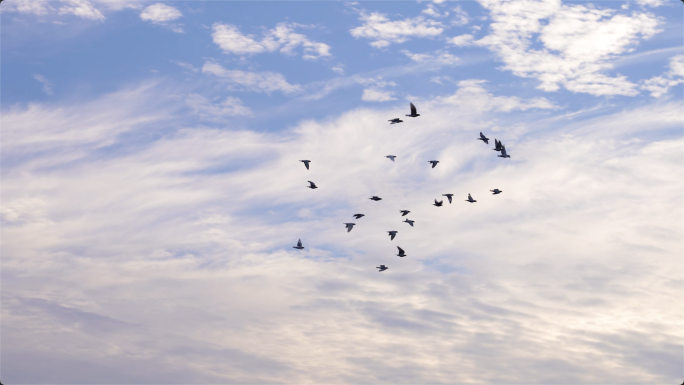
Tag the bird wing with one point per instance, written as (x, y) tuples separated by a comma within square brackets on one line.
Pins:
[(503, 150), (413, 109), (299, 243)]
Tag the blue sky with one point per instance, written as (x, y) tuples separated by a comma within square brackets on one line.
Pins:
[(152, 192)]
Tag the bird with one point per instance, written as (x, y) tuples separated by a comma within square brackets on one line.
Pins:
[(470, 199), (382, 268), (434, 162), (438, 204), (312, 185), (413, 112), (391, 157), (401, 252), (357, 216), (392, 234), (374, 198), (503, 152), (395, 121), (404, 212), (299, 245), (306, 163), (497, 145), (483, 138), (410, 222), (496, 191), (448, 197), (349, 226)]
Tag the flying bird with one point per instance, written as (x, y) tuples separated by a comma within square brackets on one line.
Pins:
[(496, 191), (357, 216), (503, 152), (349, 226), (413, 112), (483, 138), (410, 222), (382, 268), (401, 252), (404, 212), (448, 197), (438, 204), (434, 162), (391, 157), (306, 163), (497, 145), (470, 199), (312, 185), (392, 234), (395, 121), (299, 245), (374, 198)]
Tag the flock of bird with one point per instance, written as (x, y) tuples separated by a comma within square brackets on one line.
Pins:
[(349, 226)]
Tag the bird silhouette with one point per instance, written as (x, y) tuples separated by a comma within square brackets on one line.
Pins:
[(496, 191), (470, 199), (503, 152), (410, 222), (374, 198), (434, 162), (483, 138), (438, 204), (497, 145), (404, 212), (413, 112), (349, 226), (448, 197), (306, 163), (392, 234), (391, 157), (382, 268), (401, 252), (357, 216), (395, 121), (299, 245), (312, 185)]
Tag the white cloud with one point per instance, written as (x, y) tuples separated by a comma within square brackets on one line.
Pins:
[(48, 86), (283, 38), (384, 32), (376, 95), (650, 3), (659, 85), (251, 81), (187, 66), (578, 42), (33, 7), (462, 40), (162, 14), (460, 17), (473, 97), (81, 8), (440, 58), (217, 112)]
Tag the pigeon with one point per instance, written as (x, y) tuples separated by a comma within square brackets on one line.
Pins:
[(350, 226), (374, 198), (392, 234), (503, 152), (496, 191), (410, 222), (306, 163), (404, 212), (391, 157), (357, 216), (483, 138), (401, 252), (448, 197), (497, 145), (299, 245), (413, 112), (470, 199), (434, 162), (438, 204), (312, 185), (395, 121), (382, 268)]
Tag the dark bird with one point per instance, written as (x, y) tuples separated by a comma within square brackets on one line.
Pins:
[(382, 268), (434, 162), (392, 234), (413, 112), (497, 145), (306, 163), (312, 185), (470, 199), (401, 252), (404, 212), (496, 191), (503, 152), (410, 222), (349, 226), (395, 121), (391, 157), (299, 245), (438, 204), (448, 197), (374, 198), (483, 138), (357, 216)]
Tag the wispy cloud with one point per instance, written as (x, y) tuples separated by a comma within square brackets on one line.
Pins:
[(659, 85), (251, 81), (208, 110), (48, 86), (384, 32)]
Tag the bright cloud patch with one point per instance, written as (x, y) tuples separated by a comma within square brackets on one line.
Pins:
[(659, 85), (375, 95), (462, 40), (81, 8), (384, 32), (282, 38), (251, 81), (208, 110), (578, 43), (162, 14)]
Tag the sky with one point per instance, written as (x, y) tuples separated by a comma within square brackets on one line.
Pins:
[(152, 192)]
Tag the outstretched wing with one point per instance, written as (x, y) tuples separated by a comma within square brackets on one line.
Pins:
[(299, 243), (503, 150), (401, 251), (413, 109)]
